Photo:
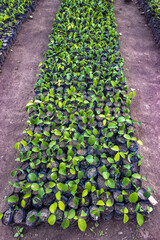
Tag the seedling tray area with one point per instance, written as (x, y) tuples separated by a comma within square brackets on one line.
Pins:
[(79, 157)]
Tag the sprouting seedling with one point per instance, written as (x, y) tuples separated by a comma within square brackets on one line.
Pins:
[(19, 234)]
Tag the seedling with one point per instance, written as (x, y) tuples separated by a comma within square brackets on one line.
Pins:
[(19, 234)]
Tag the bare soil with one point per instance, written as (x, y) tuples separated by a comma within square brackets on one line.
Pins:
[(142, 69)]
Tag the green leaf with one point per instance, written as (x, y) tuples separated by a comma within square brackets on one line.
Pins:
[(136, 175), (122, 154), (52, 219), (89, 159), (120, 198), (30, 133), (112, 125), (57, 133), (60, 186), (126, 136), (71, 214), (110, 160), (12, 199), (49, 108), (53, 207), (35, 149), (125, 210), (35, 187), (45, 144), (125, 181), (16, 235), (144, 178), (13, 173), (140, 219), (110, 183), (125, 218), (115, 148), (41, 192), (53, 176), (1, 215), (51, 144), (82, 224), (76, 201), (24, 143), (133, 198), (23, 203), (27, 195), (51, 184), (58, 195), (32, 177), (95, 131), (60, 104), (91, 140), (103, 169), (32, 219), (121, 119), (100, 203), (109, 203), (117, 157), (84, 193), (140, 142), (83, 214), (88, 186), (105, 175), (65, 224), (61, 206), (110, 134), (80, 174), (16, 146)]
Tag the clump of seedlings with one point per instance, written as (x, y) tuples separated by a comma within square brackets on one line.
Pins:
[(79, 158), (151, 10), (12, 14)]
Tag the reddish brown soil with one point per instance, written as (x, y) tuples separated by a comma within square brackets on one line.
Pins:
[(142, 69)]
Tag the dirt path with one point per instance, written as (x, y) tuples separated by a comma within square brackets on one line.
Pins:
[(17, 80)]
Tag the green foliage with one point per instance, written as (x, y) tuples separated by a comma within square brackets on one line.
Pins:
[(140, 219), (133, 198), (19, 232), (82, 224), (155, 8), (73, 123), (52, 219), (12, 199)]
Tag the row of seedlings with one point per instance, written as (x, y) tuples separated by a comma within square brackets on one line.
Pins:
[(79, 158), (151, 9), (12, 14)]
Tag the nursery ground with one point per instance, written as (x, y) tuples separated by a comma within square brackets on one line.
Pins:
[(142, 69)]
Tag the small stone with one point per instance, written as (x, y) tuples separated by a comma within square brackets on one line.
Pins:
[(152, 200), (120, 233)]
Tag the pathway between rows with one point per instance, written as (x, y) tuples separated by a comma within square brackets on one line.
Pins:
[(17, 79)]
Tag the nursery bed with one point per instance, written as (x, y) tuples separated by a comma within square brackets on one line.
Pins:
[(61, 235), (153, 18), (79, 155), (13, 15)]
